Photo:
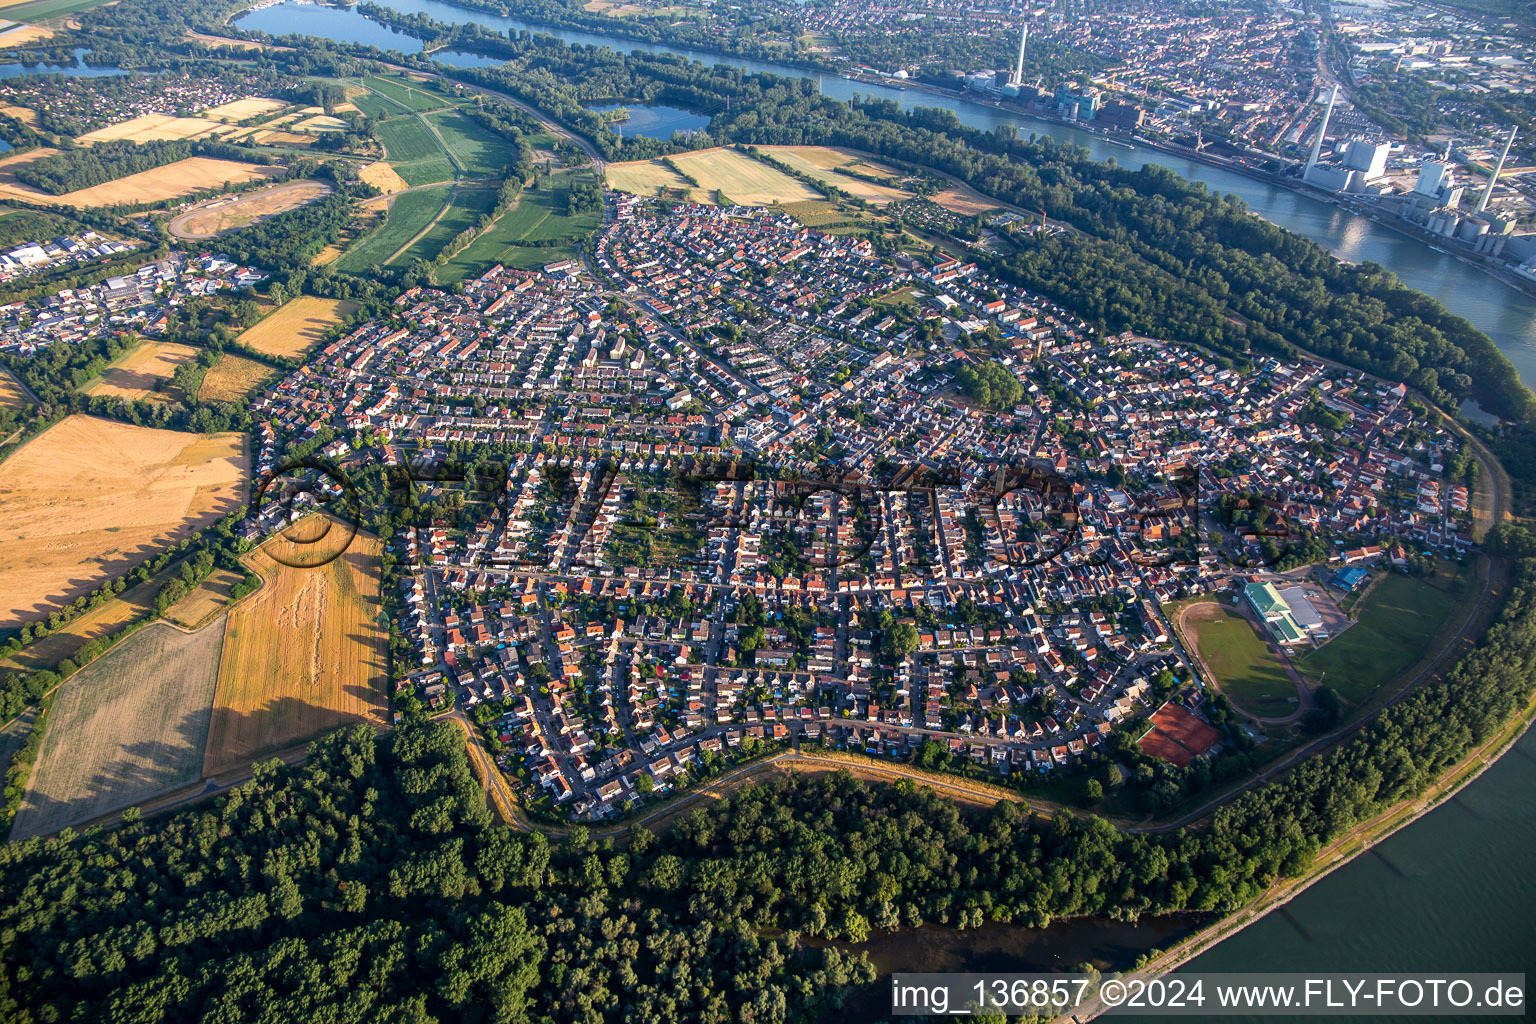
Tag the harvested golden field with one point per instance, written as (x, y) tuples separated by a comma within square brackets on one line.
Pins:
[(26, 115), (964, 200), (321, 123), (130, 726), (330, 254), (90, 498), (272, 138), (152, 128), (744, 180), (233, 44), (12, 396), (297, 325), (139, 371), (821, 163), (382, 177), (226, 215), (21, 35), (233, 378), (303, 654), (241, 110), (651, 178), (193, 174), (108, 617), (202, 604)]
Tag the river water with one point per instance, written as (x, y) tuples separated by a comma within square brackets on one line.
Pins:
[(1506, 314), (1456, 890)]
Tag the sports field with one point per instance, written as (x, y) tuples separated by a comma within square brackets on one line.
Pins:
[(821, 162), (90, 498), (233, 378), (12, 396), (1396, 625), (139, 372), (304, 654), (127, 727), (1245, 668), (215, 219), (296, 325), (193, 174), (154, 128)]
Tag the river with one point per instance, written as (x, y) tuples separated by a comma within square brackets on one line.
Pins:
[(1455, 890), (1505, 314)]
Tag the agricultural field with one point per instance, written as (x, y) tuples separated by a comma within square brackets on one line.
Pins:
[(413, 150), (463, 211), (475, 151), (154, 128), (21, 35), (108, 617), (12, 395), (962, 200), (233, 378), (224, 215), (210, 597), (89, 498), (740, 178), (409, 214), (140, 372), (1397, 624), (130, 726), (46, 10), (652, 178), (382, 177), (539, 216), (303, 654), (193, 174), (407, 93), (822, 162), (1245, 667), (244, 110), (298, 324)]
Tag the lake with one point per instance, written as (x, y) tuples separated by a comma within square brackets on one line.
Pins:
[(654, 122), (76, 70)]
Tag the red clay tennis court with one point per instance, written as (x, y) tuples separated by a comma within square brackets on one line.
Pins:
[(1177, 736)]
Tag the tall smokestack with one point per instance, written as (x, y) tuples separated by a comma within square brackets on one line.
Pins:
[(1322, 129), (1018, 68), (1482, 204)]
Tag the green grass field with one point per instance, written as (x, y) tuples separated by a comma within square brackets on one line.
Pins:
[(411, 212), (467, 206), (1397, 624), (540, 216), (412, 95), (43, 10), (413, 151), (478, 153), (376, 106), (1245, 669)]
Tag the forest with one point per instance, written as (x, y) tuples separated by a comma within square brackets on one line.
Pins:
[(369, 884)]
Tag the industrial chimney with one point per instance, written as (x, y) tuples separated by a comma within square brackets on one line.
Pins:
[(1482, 204)]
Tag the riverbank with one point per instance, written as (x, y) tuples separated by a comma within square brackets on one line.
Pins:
[(1342, 851)]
